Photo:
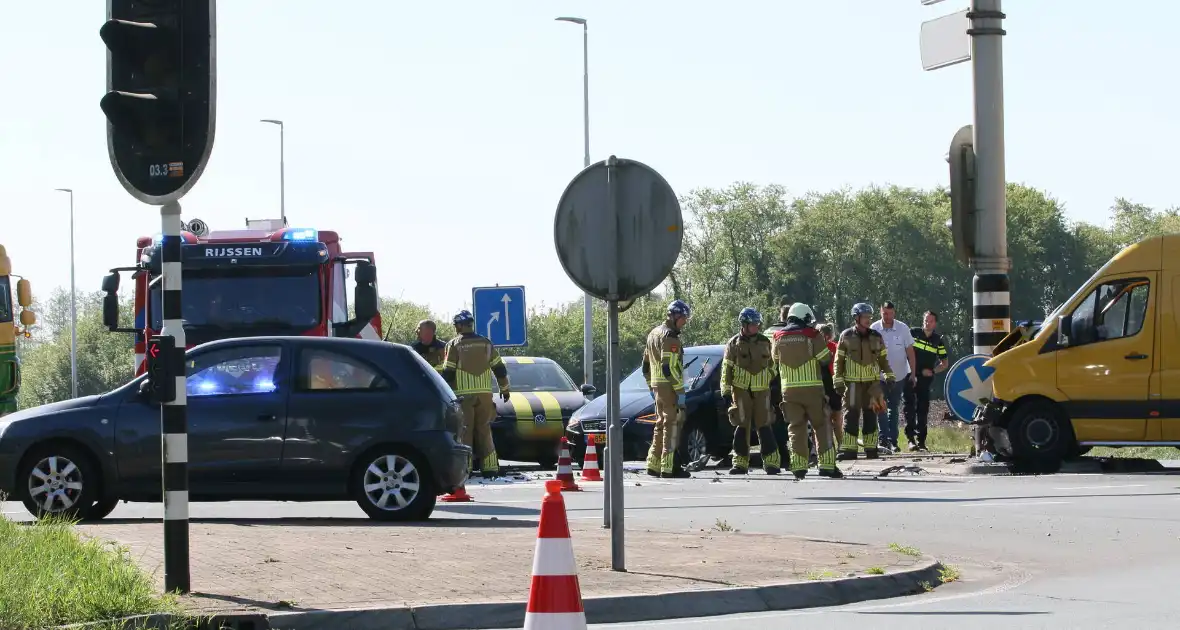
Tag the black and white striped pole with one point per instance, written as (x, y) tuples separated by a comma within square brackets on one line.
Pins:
[(174, 414), (160, 106), (979, 209)]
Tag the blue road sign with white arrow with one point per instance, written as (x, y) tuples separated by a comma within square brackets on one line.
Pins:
[(500, 315), (967, 382)]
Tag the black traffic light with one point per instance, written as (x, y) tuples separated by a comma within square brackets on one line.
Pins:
[(161, 96), (161, 353), (961, 158)]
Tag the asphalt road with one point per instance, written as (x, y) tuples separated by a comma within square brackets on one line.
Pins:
[(1058, 551)]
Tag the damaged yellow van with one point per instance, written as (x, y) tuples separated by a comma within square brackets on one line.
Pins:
[(1102, 370)]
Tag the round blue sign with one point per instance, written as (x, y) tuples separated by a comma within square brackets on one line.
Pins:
[(967, 382)]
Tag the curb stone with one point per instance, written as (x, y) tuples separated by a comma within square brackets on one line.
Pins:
[(608, 609), (627, 608)]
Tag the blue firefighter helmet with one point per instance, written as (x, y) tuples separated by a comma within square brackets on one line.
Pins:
[(463, 317), (679, 309), (861, 308), (749, 315)]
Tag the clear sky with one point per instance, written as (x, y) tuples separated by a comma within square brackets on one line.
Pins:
[(441, 135)]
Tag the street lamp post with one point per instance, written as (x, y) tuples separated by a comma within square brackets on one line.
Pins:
[(588, 321), (73, 304), (282, 170)]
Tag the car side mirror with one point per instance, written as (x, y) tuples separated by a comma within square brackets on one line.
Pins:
[(144, 387), (589, 390), (1064, 329)]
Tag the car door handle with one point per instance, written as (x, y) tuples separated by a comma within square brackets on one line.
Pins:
[(266, 417), (1135, 357)]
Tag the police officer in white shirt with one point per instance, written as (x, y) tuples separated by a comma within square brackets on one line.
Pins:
[(899, 348)]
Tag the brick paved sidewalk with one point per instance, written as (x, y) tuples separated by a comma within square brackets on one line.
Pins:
[(349, 563)]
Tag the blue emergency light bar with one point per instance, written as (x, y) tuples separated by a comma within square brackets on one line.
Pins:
[(301, 234)]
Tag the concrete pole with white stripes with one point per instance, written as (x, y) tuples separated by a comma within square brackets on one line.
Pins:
[(173, 415), (991, 302)]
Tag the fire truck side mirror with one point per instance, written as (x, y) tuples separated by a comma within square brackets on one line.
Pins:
[(110, 311), (365, 295), (110, 283)]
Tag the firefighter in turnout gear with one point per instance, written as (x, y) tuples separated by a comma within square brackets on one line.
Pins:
[(663, 367), (802, 357), (469, 362), (428, 346), (860, 362), (746, 372)]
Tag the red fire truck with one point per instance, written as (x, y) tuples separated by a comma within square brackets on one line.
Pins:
[(268, 279)]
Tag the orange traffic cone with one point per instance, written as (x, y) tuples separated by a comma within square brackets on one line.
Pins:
[(565, 470), (590, 464), (555, 598), (458, 496)]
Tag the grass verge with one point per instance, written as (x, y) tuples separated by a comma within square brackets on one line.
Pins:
[(1136, 452), (51, 576), (949, 439)]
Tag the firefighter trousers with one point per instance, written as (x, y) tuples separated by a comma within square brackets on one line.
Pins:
[(665, 435), (751, 411), (479, 410), (859, 419), (802, 405)]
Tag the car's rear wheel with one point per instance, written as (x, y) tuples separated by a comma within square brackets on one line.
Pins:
[(59, 480), (696, 444), (394, 484)]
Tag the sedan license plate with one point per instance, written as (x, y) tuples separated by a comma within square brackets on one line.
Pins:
[(597, 438)]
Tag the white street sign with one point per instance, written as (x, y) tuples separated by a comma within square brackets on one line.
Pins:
[(944, 41)]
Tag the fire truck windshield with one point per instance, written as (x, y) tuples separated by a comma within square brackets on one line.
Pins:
[(271, 297)]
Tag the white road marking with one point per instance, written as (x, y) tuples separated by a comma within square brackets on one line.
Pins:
[(1134, 485), (836, 509), (891, 492), (1013, 503), (712, 497)]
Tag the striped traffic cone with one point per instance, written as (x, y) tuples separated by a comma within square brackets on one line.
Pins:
[(565, 470), (590, 464), (555, 599)]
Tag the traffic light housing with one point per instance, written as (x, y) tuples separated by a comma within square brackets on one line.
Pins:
[(961, 159), (161, 353), (161, 94)]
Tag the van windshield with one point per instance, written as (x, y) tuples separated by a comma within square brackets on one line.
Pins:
[(1082, 288)]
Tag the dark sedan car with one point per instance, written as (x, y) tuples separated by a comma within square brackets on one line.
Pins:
[(529, 425), (706, 428), (269, 418)]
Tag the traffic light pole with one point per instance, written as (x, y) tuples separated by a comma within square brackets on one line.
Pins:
[(173, 415), (991, 301)]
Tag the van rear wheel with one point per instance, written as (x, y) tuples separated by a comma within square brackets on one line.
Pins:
[(1041, 437)]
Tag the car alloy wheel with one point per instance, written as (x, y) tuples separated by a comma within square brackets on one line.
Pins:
[(697, 444), (392, 482), (55, 484)]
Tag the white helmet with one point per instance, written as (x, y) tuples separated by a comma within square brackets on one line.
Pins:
[(801, 312)]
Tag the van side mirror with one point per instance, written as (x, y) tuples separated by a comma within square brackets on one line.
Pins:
[(589, 390), (1064, 330)]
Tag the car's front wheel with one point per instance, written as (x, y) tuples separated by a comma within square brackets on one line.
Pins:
[(59, 480), (1041, 437), (696, 444), (394, 484)]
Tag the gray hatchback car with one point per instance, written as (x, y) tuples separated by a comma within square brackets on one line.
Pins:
[(269, 418)]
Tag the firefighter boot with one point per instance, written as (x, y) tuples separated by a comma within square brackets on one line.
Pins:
[(831, 473), (770, 458)]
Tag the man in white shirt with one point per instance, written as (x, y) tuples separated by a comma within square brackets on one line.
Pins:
[(899, 349)]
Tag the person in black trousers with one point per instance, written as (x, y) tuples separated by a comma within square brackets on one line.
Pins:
[(930, 358)]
